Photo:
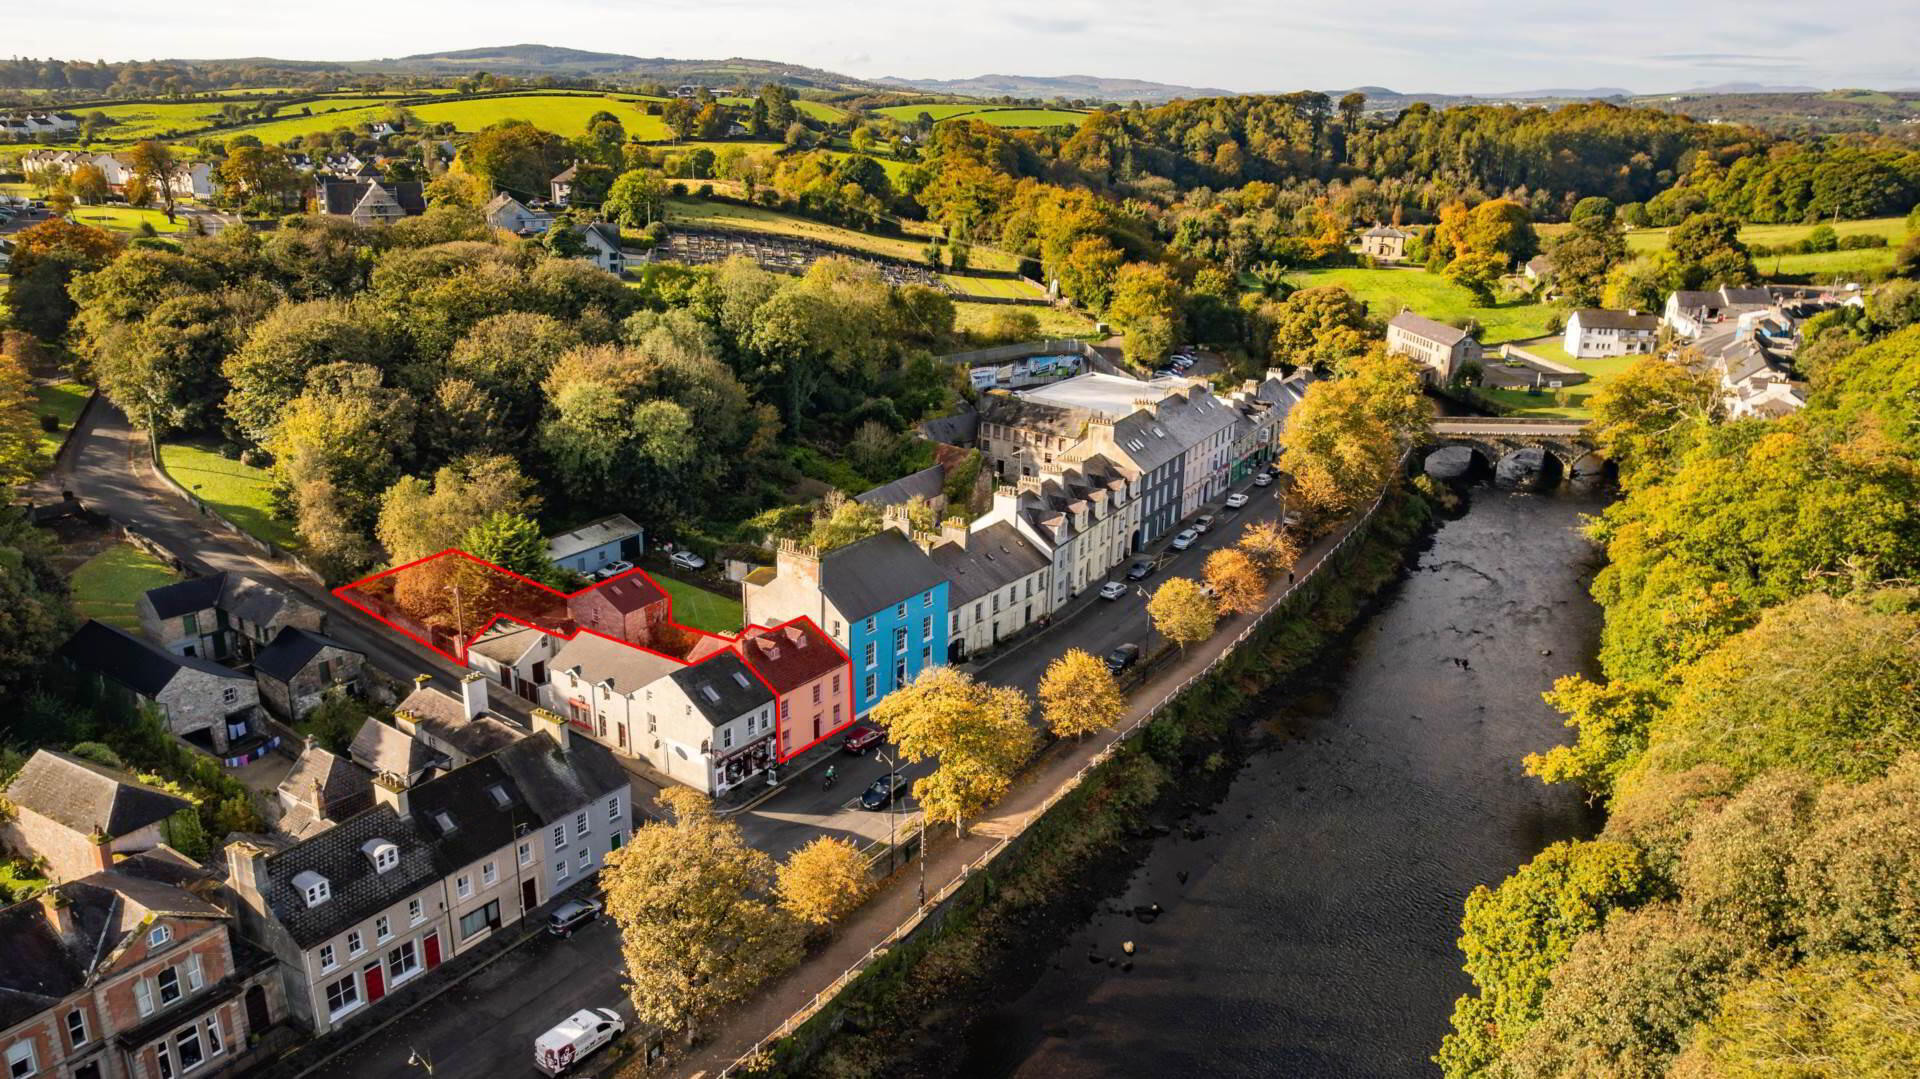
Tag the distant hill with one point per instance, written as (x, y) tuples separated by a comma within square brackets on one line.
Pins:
[(554, 60), (1051, 86)]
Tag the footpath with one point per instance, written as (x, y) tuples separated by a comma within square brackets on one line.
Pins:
[(948, 861)]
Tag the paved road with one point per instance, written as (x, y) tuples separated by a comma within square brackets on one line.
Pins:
[(109, 470), (488, 1027)]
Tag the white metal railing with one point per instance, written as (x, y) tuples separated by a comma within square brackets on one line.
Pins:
[(1106, 752)]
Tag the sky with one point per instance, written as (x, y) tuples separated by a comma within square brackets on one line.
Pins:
[(1432, 46)]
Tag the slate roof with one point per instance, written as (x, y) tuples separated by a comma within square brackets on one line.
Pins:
[(383, 747), (132, 662), (593, 534), (926, 483), (993, 558), (792, 655), (186, 597), (345, 786), (876, 572), (506, 642), (357, 889), (340, 196), (567, 175), (722, 688), (89, 797), (1146, 442), (1388, 231), (959, 429), (608, 235), (602, 660), (292, 649), (1595, 318), (1421, 326), (444, 716)]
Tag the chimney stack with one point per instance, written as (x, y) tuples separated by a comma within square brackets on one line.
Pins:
[(1006, 503), (391, 790), (954, 530), (473, 693), (247, 874), (59, 911), (549, 722)]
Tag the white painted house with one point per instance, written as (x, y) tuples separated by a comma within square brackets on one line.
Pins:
[(1592, 332)]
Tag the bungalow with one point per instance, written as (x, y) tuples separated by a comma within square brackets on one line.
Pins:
[(1591, 333), (596, 545), (213, 707), (603, 247), (1692, 313), (82, 817), (1442, 349), (299, 667), (515, 656)]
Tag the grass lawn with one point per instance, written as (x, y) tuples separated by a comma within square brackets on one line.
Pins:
[(938, 112), (1385, 292), (239, 492), (563, 115), (819, 110), (1600, 371), (1054, 321), (1642, 241), (127, 219), (999, 287), (107, 585), (702, 609), (701, 213), (1000, 115), (1867, 261), (62, 400)]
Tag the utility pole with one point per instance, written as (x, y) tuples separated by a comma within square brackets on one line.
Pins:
[(893, 810), (923, 857)]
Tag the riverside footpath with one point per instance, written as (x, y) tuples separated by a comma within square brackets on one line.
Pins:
[(897, 910)]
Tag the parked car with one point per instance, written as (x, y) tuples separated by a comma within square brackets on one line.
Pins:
[(571, 915), (1291, 520), (1202, 523), (575, 1038), (1113, 590), (862, 737), (1184, 540), (686, 560), (614, 569), (1141, 569), (1236, 500), (883, 792), (1123, 657), (1264, 479)]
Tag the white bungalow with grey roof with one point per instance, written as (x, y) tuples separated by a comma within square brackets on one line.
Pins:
[(510, 214), (598, 544), (1593, 332), (1442, 349), (515, 656)]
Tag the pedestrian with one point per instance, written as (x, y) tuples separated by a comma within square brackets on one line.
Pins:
[(1289, 578)]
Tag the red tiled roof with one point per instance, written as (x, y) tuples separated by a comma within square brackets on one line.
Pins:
[(792, 655)]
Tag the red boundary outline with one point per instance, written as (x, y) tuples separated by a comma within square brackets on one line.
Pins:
[(732, 642)]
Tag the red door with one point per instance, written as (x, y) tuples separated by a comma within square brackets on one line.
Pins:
[(376, 983), (433, 950)]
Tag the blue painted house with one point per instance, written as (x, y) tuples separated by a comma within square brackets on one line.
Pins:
[(600, 544), (882, 599)]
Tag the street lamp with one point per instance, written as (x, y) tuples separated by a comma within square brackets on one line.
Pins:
[(893, 806)]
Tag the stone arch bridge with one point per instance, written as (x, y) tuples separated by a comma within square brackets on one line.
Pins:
[(1499, 437)]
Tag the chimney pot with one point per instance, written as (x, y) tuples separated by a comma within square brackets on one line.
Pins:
[(473, 693)]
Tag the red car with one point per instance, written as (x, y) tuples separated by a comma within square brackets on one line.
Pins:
[(861, 738)]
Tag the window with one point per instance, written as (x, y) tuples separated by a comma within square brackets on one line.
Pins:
[(229, 695), (214, 1045), (585, 858), (926, 657), (191, 622), (562, 871), (143, 996), (613, 808), (926, 629), (159, 937), (194, 979), (489, 873), (900, 611), (816, 693), (870, 687), (191, 1055), (899, 641), (355, 944), (836, 682), (342, 996), (327, 961), (559, 836), (580, 826), (872, 655), (316, 890), (526, 854), (403, 962), (165, 1058), (415, 915), (926, 598), (485, 919), (463, 885), (76, 1028)]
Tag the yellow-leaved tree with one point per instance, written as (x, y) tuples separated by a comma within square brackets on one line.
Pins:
[(1182, 612), (1271, 548), (1238, 586), (822, 881), (699, 928), (979, 734), (1078, 695)]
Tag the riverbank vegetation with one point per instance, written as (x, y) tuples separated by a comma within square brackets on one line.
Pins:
[(1755, 739)]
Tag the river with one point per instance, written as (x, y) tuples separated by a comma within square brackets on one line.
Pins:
[(1310, 917)]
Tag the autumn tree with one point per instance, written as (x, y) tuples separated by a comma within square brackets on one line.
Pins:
[(699, 928), (156, 165), (1705, 249), (978, 734), (1646, 416), (1315, 326), (822, 881), (511, 541), (1079, 695), (19, 428), (1585, 254), (1182, 612), (1270, 546), (637, 198), (421, 517)]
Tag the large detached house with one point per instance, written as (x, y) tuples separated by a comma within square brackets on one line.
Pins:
[(1385, 243), (881, 598), (1592, 332), (1442, 349), (369, 201)]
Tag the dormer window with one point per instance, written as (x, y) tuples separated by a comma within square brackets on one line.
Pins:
[(159, 937), (313, 887), (382, 853), (499, 794)]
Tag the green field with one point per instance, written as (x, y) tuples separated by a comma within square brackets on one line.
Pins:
[(938, 112), (1004, 116), (131, 122), (1054, 321), (127, 219), (1012, 288), (819, 110), (702, 609), (1599, 372), (240, 493), (562, 115), (1642, 241), (107, 585), (1385, 292), (63, 401), (698, 212), (1866, 261)]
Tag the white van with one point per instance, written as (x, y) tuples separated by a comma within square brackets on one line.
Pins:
[(577, 1036)]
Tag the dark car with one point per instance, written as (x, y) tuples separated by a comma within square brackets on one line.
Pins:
[(883, 792), (1123, 657), (861, 738), (1141, 569), (571, 915)]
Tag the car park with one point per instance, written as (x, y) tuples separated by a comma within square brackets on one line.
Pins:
[(1236, 500), (1123, 657), (1184, 540), (1141, 569), (571, 915), (1113, 590), (883, 792), (686, 560), (576, 1037), (1263, 479), (862, 737)]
